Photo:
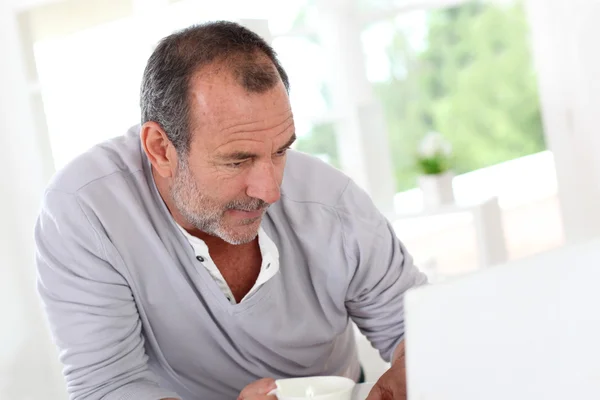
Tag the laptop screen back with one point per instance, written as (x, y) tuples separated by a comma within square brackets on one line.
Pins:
[(524, 331)]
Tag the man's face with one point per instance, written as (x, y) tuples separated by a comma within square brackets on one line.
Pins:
[(235, 164)]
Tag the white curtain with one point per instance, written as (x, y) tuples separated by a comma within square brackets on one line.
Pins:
[(28, 361), (565, 47)]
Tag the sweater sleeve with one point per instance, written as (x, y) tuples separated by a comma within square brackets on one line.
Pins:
[(381, 271), (90, 308)]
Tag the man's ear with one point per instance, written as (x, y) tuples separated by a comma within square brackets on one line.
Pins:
[(159, 149)]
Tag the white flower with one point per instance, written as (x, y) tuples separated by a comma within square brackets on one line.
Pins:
[(434, 144)]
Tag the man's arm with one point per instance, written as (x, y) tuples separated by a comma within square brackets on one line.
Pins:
[(90, 307), (381, 271)]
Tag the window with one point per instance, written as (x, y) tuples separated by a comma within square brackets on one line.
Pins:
[(90, 84), (465, 71), (90, 78), (309, 96), (321, 142), (308, 93)]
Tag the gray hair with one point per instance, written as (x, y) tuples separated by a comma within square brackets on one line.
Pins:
[(164, 90)]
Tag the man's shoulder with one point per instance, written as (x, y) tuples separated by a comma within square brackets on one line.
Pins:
[(310, 182), (120, 155), (308, 179)]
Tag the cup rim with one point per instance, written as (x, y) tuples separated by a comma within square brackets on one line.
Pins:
[(319, 377)]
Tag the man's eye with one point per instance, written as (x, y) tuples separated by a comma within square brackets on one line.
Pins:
[(282, 152), (236, 164)]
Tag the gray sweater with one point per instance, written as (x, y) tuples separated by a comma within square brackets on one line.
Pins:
[(136, 317)]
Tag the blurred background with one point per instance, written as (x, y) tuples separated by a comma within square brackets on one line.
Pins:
[(512, 85)]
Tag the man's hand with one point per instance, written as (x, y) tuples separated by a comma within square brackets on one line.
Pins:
[(392, 384), (258, 390)]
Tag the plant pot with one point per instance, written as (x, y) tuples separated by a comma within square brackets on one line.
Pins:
[(437, 189)]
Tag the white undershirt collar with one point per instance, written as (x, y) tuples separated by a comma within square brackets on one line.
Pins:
[(268, 268)]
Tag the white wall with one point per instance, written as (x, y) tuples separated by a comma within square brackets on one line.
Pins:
[(28, 366)]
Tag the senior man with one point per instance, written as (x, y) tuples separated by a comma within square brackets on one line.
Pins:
[(197, 257)]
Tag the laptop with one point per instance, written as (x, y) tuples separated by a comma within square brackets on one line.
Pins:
[(523, 331)]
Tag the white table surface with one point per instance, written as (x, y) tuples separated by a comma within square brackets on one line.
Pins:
[(361, 391)]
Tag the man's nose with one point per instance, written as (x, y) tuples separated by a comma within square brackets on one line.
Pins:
[(263, 183)]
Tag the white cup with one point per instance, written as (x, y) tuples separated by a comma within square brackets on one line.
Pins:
[(315, 388)]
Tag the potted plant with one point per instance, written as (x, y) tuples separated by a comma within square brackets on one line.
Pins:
[(434, 162)]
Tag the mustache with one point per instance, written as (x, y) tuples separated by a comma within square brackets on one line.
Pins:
[(247, 205)]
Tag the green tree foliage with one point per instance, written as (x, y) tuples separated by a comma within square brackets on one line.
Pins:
[(473, 82), (321, 141)]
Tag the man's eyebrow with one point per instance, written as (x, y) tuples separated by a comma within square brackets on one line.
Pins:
[(237, 156), (244, 155), (289, 142)]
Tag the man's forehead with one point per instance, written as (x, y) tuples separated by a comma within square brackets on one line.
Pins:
[(276, 131), (212, 90), (225, 102), (243, 141)]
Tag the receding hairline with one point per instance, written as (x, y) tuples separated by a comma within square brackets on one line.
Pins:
[(236, 66), (199, 51), (221, 74)]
